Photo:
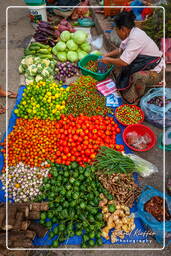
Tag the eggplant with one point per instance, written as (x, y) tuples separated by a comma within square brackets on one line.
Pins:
[(46, 30)]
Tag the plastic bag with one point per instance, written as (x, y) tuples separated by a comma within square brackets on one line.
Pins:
[(153, 113), (138, 141), (142, 166), (97, 42), (155, 227)]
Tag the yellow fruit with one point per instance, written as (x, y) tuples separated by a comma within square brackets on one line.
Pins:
[(17, 185)]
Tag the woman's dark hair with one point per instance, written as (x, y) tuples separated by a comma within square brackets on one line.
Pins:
[(125, 19)]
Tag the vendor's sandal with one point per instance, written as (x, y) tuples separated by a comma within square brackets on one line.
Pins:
[(12, 94), (2, 109)]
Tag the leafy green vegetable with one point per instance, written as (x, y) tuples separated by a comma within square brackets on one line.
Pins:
[(65, 36), (86, 47), (72, 56), (62, 56), (71, 45), (79, 37)]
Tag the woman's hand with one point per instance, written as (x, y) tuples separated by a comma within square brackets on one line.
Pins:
[(105, 60)]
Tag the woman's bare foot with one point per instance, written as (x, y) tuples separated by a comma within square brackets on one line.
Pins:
[(10, 94), (2, 109)]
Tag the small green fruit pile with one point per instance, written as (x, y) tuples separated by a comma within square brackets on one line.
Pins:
[(43, 100), (73, 194)]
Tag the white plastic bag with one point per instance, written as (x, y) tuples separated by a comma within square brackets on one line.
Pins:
[(97, 42), (142, 166)]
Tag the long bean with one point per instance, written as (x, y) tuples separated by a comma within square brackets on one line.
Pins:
[(113, 161)]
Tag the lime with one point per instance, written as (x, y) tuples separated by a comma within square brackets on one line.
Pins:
[(51, 235), (55, 243), (111, 208)]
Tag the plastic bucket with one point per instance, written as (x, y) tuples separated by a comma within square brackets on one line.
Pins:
[(37, 10)]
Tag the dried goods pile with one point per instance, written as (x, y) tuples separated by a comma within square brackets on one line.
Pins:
[(83, 98), (122, 187), (155, 207), (21, 228)]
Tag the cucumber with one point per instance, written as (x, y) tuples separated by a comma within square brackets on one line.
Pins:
[(43, 46), (34, 48), (44, 51), (45, 56), (27, 52)]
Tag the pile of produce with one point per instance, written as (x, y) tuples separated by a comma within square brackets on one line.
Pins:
[(129, 114), (43, 100), (37, 69), (49, 34), (21, 227), (83, 98), (23, 182), (97, 67), (46, 33), (73, 195), (121, 186), (117, 217), (70, 139), (137, 140), (72, 46), (155, 207), (159, 101), (110, 161), (65, 70), (39, 50), (64, 25), (92, 65)]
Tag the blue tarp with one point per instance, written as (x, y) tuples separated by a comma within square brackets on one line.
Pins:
[(136, 235)]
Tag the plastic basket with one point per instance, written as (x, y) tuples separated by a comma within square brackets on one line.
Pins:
[(34, 2), (133, 107), (98, 76), (141, 130)]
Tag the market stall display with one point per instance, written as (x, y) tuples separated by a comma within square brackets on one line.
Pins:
[(70, 180)]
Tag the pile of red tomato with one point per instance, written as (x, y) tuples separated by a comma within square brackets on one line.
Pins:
[(69, 139)]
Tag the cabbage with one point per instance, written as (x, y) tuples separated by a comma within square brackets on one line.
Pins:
[(60, 46), (65, 36), (79, 37), (71, 45), (72, 56), (62, 56), (71, 35), (81, 54), (86, 47)]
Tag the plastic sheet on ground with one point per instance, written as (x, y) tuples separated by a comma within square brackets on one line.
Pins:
[(137, 235)]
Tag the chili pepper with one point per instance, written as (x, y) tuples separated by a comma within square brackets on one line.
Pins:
[(129, 114)]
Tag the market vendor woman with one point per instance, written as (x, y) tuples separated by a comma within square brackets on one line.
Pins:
[(140, 59)]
